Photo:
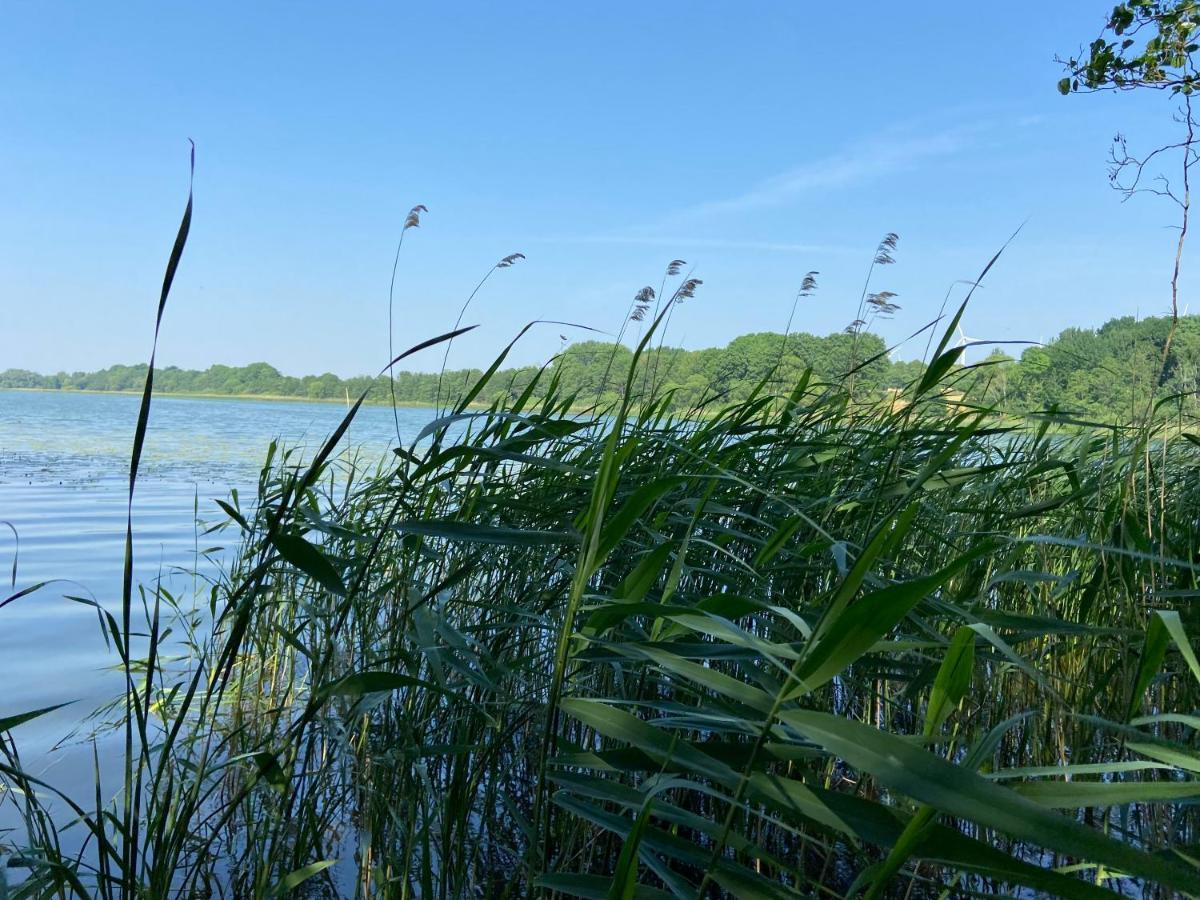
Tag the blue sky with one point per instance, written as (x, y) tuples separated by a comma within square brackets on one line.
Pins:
[(756, 141)]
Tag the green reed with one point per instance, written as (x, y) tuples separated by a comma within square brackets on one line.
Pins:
[(807, 644)]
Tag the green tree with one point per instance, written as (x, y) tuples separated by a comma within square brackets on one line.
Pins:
[(1144, 44)]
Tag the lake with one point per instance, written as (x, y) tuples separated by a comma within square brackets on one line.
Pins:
[(64, 462)]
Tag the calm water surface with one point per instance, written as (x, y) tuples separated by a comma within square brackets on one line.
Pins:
[(63, 479)]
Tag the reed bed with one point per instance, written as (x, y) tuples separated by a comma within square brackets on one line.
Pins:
[(807, 644), (801, 645)]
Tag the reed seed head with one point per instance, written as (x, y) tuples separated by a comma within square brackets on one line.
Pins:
[(641, 303), (687, 290), (882, 303), (883, 253), (413, 219)]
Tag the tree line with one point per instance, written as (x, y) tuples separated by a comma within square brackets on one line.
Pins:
[(1107, 373)]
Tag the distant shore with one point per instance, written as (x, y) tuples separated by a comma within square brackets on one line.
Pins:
[(196, 395)]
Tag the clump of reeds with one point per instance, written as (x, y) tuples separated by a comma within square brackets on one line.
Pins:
[(802, 644)]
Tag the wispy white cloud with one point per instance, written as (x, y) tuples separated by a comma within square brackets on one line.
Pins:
[(883, 155), (683, 243), (856, 164)]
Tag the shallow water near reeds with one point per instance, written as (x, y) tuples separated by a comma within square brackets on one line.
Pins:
[(64, 463)]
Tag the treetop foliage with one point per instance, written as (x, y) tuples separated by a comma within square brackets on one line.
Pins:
[(1145, 44), (1104, 373)]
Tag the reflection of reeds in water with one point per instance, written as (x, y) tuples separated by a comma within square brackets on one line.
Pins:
[(806, 644)]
